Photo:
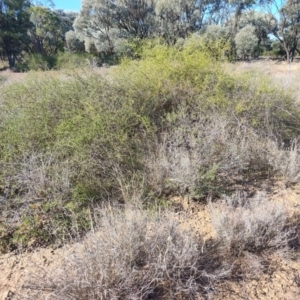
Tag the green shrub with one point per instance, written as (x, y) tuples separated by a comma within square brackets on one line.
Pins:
[(36, 62), (173, 120), (193, 81), (62, 60), (79, 122), (66, 60)]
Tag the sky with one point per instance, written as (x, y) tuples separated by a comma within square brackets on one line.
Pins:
[(68, 4)]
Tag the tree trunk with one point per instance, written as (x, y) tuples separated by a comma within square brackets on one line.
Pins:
[(11, 60), (293, 51), (10, 54), (287, 51), (287, 56)]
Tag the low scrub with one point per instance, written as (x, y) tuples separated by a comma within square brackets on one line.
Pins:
[(134, 255), (255, 225), (60, 61), (252, 230), (172, 121)]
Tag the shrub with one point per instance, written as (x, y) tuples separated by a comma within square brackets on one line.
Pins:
[(253, 225), (82, 125), (65, 60), (36, 62), (213, 157), (214, 40), (138, 254), (246, 41), (172, 112), (190, 80), (253, 233), (134, 255), (60, 61)]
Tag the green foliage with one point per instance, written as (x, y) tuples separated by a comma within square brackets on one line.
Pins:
[(47, 34), (60, 61), (214, 41), (65, 60), (163, 74), (44, 30), (207, 183), (14, 23), (36, 62), (112, 30), (104, 25), (73, 44), (246, 42), (277, 50), (78, 139)]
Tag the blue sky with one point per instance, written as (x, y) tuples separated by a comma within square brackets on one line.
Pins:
[(68, 4)]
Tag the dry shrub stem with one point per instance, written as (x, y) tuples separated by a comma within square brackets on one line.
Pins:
[(252, 230), (134, 255)]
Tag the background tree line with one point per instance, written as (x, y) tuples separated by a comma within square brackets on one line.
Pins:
[(109, 28)]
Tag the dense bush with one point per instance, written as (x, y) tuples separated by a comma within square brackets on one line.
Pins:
[(36, 62), (172, 121), (246, 42)]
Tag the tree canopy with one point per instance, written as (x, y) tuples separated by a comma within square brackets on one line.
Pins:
[(14, 23)]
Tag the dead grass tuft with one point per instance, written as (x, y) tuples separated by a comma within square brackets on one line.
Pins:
[(134, 255), (251, 231)]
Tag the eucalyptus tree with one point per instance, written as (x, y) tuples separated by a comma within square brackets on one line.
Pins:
[(73, 43), (284, 24), (45, 24), (259, 20), (246, 42), (47, 34), (102, 24), (66, 20), (177, 18), (237, 9), (14, 23), (214, 40)]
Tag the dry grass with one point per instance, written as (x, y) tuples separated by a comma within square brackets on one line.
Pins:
[(42, 176), (255, 225), (253, 230), (209, 158), (134, 255), (283, 74)]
